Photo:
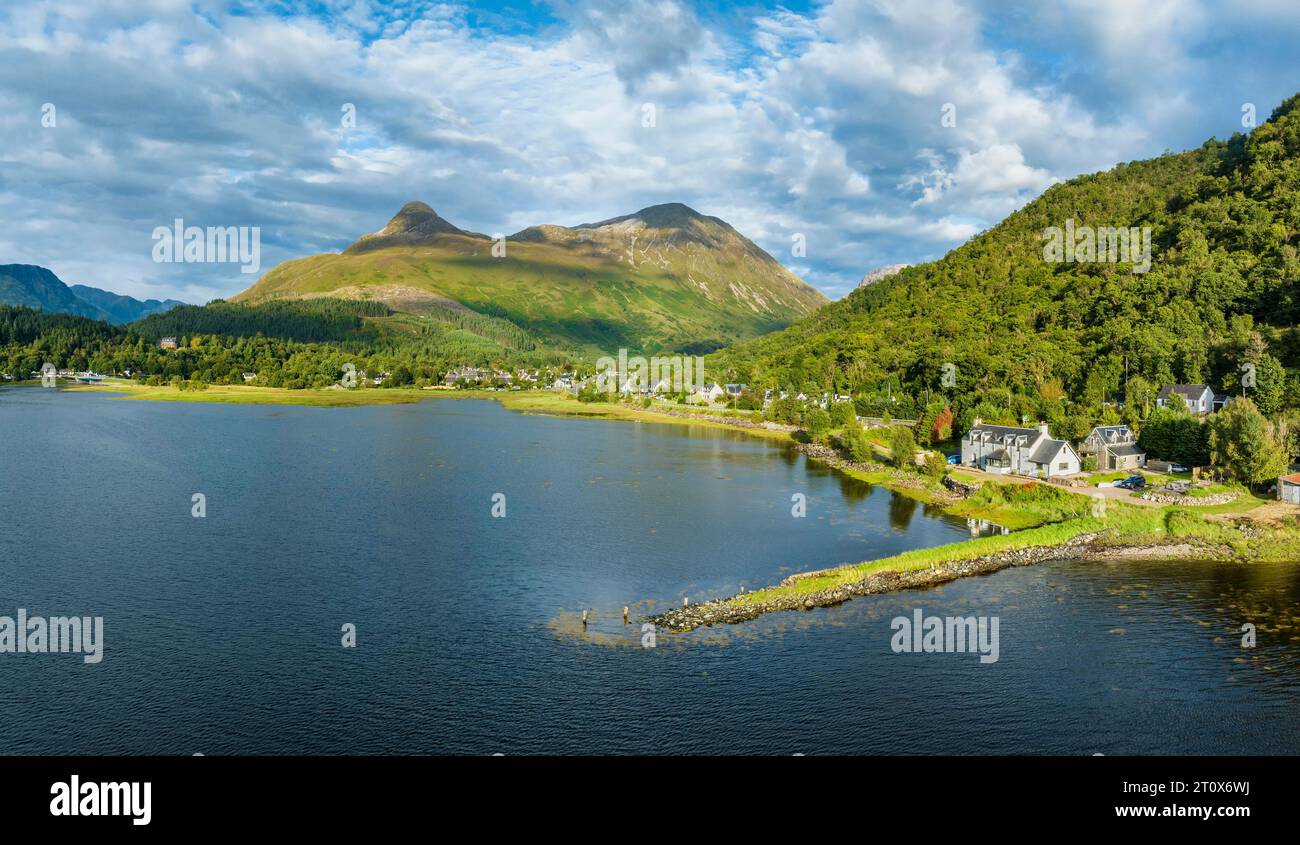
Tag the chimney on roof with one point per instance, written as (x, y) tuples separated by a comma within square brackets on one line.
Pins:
[(977, 422), (1042, 426)]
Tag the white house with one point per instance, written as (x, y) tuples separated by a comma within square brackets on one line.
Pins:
[(1198, 398), (1115, 447), (709, 392), (1023, 451)]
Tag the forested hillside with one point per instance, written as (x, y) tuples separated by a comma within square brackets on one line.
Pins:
[(295, 345), (1073, 341)]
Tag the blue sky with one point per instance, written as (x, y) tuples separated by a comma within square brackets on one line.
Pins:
[(813, 119)]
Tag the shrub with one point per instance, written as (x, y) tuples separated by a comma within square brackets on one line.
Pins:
[(903, 447)]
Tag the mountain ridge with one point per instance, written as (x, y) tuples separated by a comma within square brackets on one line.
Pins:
[(663, 277), (38, 287)]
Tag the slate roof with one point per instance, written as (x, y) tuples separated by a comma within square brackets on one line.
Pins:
[(1001, 432), (1046, 450), (1187, 391)]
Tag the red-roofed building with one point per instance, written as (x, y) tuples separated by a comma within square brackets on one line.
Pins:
[(1288, 488)]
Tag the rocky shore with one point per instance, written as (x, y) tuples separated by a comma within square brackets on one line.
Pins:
[(740, 608), (1165, 497)]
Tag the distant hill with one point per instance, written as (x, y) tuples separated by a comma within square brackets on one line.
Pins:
[(1030, 334), (122, 308), (666, 277), (37, 287)]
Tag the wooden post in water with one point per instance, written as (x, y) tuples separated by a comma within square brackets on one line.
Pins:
[(685, 601), (584, 617), (624, 614)]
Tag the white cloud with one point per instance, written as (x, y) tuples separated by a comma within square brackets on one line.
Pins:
[(825, 123)]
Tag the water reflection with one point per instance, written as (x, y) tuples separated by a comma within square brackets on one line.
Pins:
[(984, 528), (901, 511)]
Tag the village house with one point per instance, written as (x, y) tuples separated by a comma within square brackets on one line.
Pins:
[(709, 392), (468, 374), (167, 343), (1198, 398), (734, 389), (1022, 451), (249, 377), (1115, 447)]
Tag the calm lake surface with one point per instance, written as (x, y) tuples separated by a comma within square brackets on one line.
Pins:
[(223, 633)]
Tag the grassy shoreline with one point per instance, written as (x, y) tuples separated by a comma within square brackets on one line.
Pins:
[(239, 394)]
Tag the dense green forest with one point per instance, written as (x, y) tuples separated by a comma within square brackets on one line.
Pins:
[(307, 320), (299, 344), (1077, 343)]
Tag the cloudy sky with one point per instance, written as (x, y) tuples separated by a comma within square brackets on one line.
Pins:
[(820, 119)]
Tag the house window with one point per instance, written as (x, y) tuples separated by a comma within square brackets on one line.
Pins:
[(1063, 465)]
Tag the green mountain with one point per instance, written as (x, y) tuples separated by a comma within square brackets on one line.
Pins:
[(666, 277), (37, 287), (1028, 336)]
